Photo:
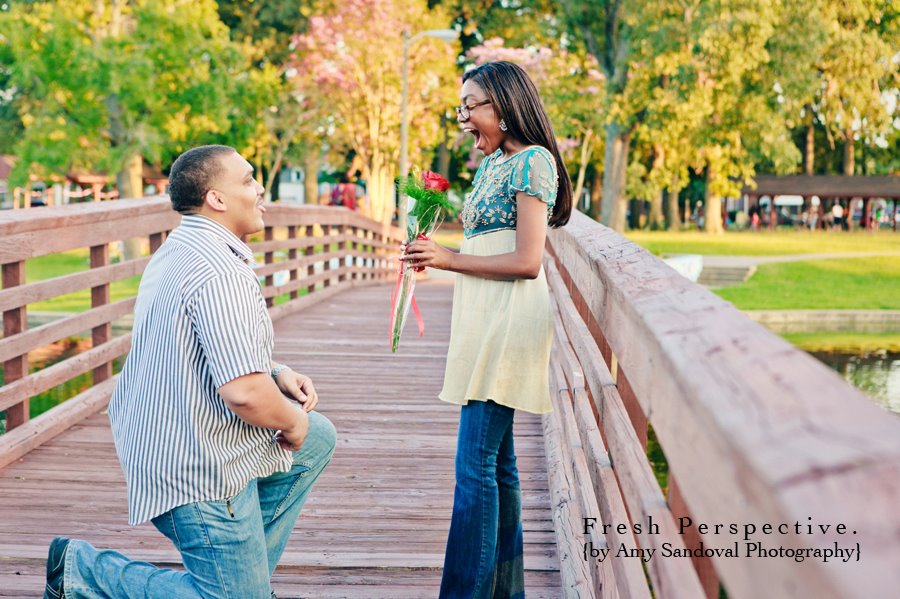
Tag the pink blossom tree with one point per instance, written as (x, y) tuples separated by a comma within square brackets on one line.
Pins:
[(351, 56)]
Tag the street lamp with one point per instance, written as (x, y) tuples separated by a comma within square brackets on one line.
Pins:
[(447, 35)]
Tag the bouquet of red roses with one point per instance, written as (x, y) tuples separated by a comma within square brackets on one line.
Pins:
[(427, 201)]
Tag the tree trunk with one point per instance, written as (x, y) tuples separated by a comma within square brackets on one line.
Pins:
[(849, 159), (273, 175), (582, 168), (712, 208), (311, 176), (444, 149), (274, 182), (380, 183), (614, 202), (849, 169), (130, 180), (635, 213), (655, 220), (809, 157), (672, 210), (130, 184), (596, 195)]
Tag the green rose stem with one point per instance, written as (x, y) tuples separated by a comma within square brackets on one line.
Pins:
[(404, 300)]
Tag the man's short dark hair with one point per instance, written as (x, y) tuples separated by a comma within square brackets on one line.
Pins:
[(192, 175)]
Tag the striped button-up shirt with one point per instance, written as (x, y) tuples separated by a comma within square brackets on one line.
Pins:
[(200, 321)]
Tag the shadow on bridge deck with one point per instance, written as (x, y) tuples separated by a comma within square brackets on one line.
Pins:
[(375, 525)]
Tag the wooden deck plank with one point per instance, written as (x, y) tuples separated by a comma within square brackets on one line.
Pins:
[(376, 523)]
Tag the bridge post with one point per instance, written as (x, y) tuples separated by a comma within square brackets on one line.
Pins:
[(269, 259), (156, 240), (309, 250), (327, 230), (354, 246), (632, 407), (292, 255), (703, 565), (342, 250), (15, 321), (100, 297)]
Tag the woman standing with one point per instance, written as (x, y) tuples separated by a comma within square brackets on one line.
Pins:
[(501, 326)]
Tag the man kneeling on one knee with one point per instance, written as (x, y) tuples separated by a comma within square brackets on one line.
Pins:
[(219, 444)]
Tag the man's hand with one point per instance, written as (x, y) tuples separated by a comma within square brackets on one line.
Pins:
[(298, 387), (292, 439), (257, 400)]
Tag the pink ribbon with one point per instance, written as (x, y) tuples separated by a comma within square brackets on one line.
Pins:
[(395, 293)]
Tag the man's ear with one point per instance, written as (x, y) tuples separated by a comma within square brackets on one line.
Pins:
[(214, 201)]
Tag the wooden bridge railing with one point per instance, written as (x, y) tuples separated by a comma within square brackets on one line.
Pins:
[(754, 432), (322, 250)]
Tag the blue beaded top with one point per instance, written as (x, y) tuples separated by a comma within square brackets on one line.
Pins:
[(492, 204)]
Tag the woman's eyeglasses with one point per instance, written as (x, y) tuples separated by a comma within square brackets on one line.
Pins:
[(465, 111)]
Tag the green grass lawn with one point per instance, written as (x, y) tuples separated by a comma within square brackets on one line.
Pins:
[(871, 283), (845, 342), (66, 263), (765, 243)]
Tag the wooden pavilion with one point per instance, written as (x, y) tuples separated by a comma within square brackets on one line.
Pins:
[(830, 189), (78, 186)]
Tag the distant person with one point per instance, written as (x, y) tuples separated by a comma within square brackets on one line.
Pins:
[(501, 329), (220, 445), (344, 194), (813, 221), (837, 215), (697, 215)]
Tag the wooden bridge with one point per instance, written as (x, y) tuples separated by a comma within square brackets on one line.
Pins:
[(744, 429)]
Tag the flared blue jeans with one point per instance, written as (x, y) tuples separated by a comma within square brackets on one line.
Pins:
[(484, 548)]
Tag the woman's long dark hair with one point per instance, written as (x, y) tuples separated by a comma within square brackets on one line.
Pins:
[(516, 100)]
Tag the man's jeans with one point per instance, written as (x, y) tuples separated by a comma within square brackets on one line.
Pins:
[(484, 548), (229, 548)]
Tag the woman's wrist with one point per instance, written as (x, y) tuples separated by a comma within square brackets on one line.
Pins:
[(452, 259)]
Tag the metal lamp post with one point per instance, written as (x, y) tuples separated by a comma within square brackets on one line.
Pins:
[(447, 35)]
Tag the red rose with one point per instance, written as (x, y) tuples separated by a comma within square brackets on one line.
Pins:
[(432, 180)]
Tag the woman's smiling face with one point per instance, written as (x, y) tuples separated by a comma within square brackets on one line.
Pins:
[(482, 123)]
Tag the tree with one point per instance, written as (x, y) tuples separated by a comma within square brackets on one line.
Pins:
[(275, 120), (104, 85), (606, 28), (354, 54), (746, 122), (269, 25), (858, 61), (10, 123), (665, 85), (703, 87), (519, 24)]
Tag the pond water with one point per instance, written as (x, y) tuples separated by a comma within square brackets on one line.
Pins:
[(48, 356), (877, 374)]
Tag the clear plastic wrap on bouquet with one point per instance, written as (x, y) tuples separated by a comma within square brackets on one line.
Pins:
[(426, 203)]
